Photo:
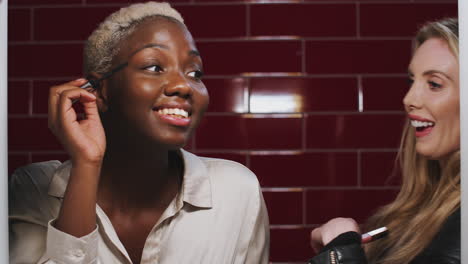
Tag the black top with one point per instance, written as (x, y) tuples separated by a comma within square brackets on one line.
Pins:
[(443, 249)]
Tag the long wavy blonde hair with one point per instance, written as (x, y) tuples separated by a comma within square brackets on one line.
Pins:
[(429, 193)]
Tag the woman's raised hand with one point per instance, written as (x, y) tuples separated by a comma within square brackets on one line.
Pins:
[(322, 235), (84, 140)]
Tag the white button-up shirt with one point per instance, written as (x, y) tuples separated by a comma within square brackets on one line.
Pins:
[(218, 217)]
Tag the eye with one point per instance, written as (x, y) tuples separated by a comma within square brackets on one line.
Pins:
[(410, 81), (154, 68), (434, 85), (196, 74)]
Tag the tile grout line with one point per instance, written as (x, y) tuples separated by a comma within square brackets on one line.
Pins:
[(31, 24), (358, 20), (30, 99), (304, 131), (360, 94), (303, 58), (247, 20), (304, 207), (359, 168)]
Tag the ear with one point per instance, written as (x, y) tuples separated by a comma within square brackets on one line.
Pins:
[(100, 92)]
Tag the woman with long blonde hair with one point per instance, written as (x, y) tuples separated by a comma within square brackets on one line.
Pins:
[(424, 219)]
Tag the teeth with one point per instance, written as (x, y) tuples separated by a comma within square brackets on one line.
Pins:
[(417, 123), (173, 111)]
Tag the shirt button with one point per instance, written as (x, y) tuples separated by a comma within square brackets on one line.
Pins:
[(79, 253), (76, 255)]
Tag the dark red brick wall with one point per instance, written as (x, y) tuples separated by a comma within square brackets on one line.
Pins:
[(305, 93)]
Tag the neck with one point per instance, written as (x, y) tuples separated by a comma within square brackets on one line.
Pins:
[(132, 178)]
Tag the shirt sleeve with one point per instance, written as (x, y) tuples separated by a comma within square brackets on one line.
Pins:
[(32, 236), (259, 246), (65, 248)]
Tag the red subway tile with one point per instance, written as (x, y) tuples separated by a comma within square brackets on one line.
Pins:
[(230, 21), (370, 1), (20, 137), (215, 21), (227, 95), (38, 157), (386, 93), (240, 158), (128, 1), (306, 169), (45, 60), (79, 22), (357, 56), (375, 17), (322, 205), (42, 2), (380, 169), (18, 97), (437, 1), (279, 95), (15, 161), (41, 95), (284, 208), (249, 132), (217, 1), (354, 131), (19, 24), (306, 20), (292, 244), (251, 56), (123, 2)]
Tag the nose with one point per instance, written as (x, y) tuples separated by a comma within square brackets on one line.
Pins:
[(412, 99), (178, 86)]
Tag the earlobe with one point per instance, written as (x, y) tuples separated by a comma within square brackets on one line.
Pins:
[(101, 95)]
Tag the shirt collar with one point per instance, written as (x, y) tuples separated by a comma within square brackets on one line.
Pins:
[(196, 185)]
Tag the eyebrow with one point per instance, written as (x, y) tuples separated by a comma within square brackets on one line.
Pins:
[(151, 45), (430, 72), (194, 53), (160, 46)]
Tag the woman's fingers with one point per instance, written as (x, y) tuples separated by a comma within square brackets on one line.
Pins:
[(324, 234), (54, 96), (66, 113), (316, 239)]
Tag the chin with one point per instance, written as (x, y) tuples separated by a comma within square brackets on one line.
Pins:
[(427, 152), (175, 143)]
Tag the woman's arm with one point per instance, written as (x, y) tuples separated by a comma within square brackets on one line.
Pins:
[(337, 241), (84, 140)]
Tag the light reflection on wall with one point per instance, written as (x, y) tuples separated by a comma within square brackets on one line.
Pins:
[(276, 103), (240, 96)]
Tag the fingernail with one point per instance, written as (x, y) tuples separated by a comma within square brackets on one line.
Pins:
[(80, 80)]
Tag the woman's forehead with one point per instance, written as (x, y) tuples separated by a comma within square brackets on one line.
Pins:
[(159, 31)]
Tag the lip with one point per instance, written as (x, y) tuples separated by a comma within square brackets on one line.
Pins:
[(175, 121), (172, 120), (418, 118), (185, 106), (425, 132)]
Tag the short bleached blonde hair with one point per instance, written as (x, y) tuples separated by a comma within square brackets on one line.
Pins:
[(103, 44)]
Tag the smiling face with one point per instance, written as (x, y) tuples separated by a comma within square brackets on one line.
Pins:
[(432, 103), (158, 96)]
